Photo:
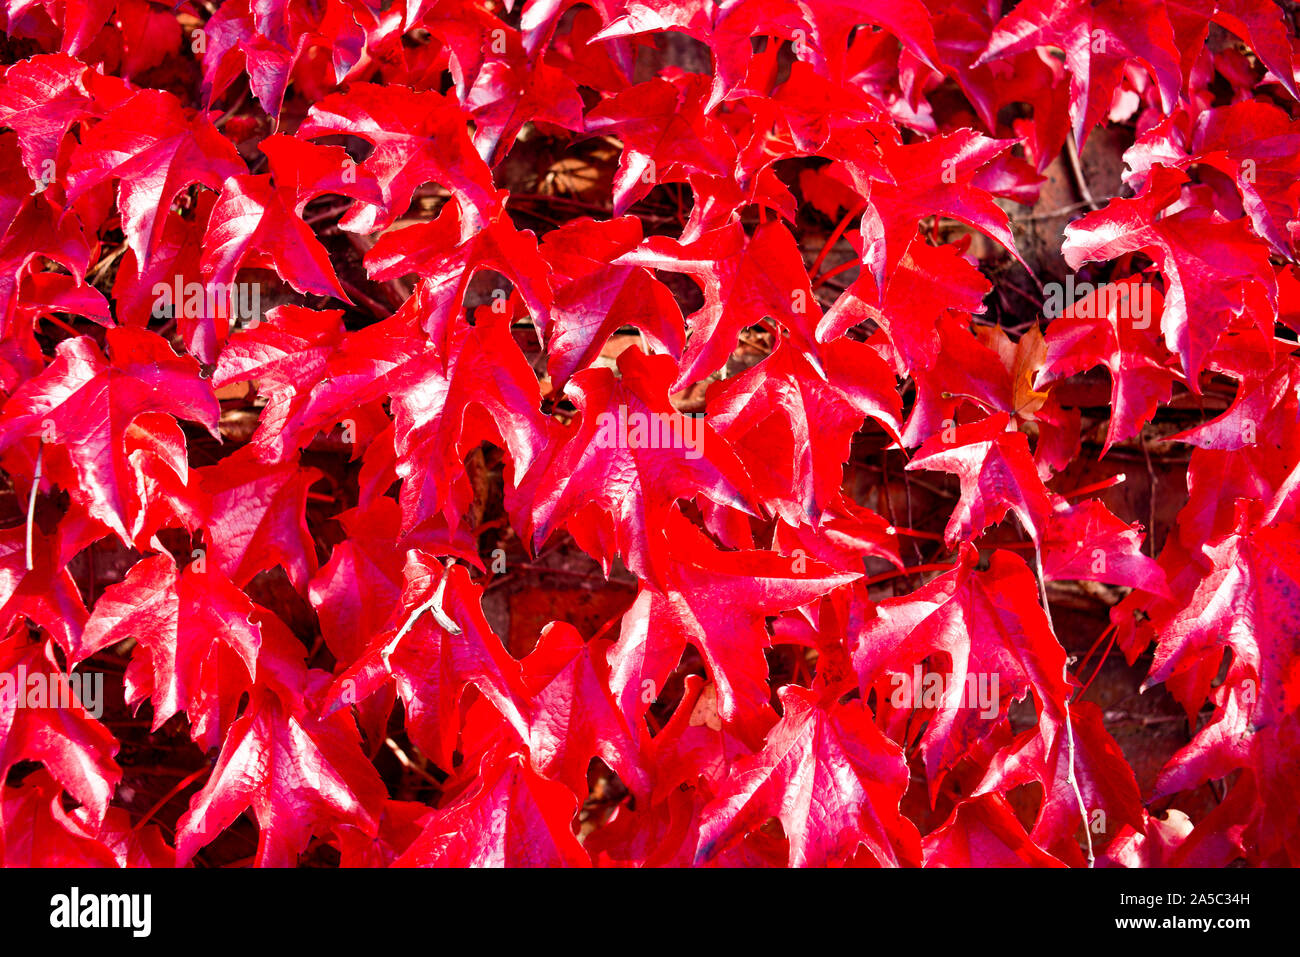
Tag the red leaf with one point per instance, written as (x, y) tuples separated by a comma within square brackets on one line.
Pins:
[(629, 457), (83, 403), (574, 717), (510, 818), (744, 280), (666, 135), (792, 428), (1087, 756), (260, 217), (297, 772), (196, 647), (1216, 265), (1097, 40), (417, 137), (594, 297), (997, 474), (1112, 326), (257, 519), (829, 776), (984, 832), (993, 632), (152, 161), (718, 601), (437, 642), (43, 718)]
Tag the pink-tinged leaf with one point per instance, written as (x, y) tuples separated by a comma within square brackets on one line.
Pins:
[(984, 832), (1115, 325), (997, 475), (436, 643), (693, 748), (1155, 843), (83, 403), (1247, 602), (1242, 735), (512, 91), (258, 518), (418, 137), (1253, 20), (831, 778), (196, 645), (36, 831), (1090, 758), (1217, 269), (155, 149), (824, 28), (171, 284), (614, 475), (937, 177), (355, 592), (481, 388), (1097, 40), (299, 773), (42, 98), (573, 715), (1087, 542), (43, 718), (47, 593), (511, 817), (928, 281), (1263, 408), (745, 281), (991, 628), (292, 355)]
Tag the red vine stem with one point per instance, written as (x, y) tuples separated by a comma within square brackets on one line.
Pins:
[(934, 537), (1114, 633), (835, 236), (1095, 486), (162, 802), (1100, 638), (914, 570), (1069, 726), (835, 271)]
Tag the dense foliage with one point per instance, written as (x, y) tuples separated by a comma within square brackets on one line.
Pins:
[(649, 433)]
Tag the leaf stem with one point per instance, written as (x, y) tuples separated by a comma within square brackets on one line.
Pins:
[(915, 533), (434, 607), (63, 325), (1113, 632), (162, 802), (31, 502), (853, 263), (1096, 486), (405, 760), (914, 570), (834, 237), (1076, 167), (1069, 727)]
